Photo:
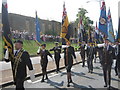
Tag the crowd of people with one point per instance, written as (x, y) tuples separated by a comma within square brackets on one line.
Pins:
[(25, 35)]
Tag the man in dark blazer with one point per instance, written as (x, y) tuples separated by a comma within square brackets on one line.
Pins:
[(117, 54), (88, 49), (57, 56), (106, 61), (82, 53), (95, 54), (44, 60), (21, 60), (90, 57)]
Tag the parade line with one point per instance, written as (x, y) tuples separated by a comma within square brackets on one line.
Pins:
[(36, 61)]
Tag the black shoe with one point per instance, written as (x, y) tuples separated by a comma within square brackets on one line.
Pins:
[(59, 71), (91, 72), (83, 65), (116, 74), (105, 85), (109, 87), (68, 85), (56, 71), (46, 78), (42, 80)]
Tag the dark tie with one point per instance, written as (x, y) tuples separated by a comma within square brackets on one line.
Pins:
[(117, 48), (16, 53), (67, 56)]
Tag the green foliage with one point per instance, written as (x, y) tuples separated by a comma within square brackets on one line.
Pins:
[(86, 20)]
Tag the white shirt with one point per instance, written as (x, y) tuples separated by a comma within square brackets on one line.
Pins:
[(16, 51)]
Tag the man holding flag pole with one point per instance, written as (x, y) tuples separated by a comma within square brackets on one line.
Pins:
[(107, 49), (69, 52), (19, 57), (42, 51)]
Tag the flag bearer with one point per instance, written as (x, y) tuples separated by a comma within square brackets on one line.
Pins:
[(69, 53), (21, 60)]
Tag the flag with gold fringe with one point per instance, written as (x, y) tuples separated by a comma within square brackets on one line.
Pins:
[(103, 20), (8, 45), (65, 30), (111, 36)]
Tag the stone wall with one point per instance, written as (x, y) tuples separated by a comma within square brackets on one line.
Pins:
[(21, 23)]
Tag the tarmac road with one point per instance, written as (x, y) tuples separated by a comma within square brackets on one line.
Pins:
[(81, 79)]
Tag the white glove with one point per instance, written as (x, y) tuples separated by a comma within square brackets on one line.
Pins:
[(32, 76), (6, 54), (64, 46), (38, 51), (100, 45)]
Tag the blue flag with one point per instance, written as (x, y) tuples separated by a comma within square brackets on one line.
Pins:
[(103, 20), (111, 36), (37, 29), (118, 32)]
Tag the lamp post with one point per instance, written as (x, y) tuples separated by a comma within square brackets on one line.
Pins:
[(95, 1)]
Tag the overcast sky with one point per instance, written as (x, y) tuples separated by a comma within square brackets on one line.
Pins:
[(52, 9)]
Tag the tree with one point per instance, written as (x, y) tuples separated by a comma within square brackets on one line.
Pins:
[(86, 20)]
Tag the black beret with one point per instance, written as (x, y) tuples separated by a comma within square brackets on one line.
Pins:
[(19, 41), (56, 43), (43, 45), (107, 39)]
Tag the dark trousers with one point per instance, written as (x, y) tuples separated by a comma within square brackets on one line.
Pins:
[(44, 69), (83, 59), (100, 57), (107, 74), (90, 64), (95, 56), (116, 67), (57, 60), (20, 84)]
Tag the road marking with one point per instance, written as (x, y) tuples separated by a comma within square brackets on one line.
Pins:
[(53, 75), (29, 81)]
